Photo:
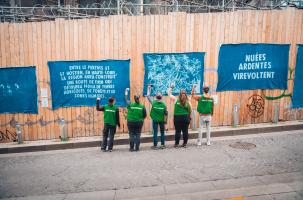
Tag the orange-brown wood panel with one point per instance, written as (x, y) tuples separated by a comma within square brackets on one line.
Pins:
[(123, 37)]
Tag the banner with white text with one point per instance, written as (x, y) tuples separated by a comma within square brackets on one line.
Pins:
[(297, 97), (18, 90), (79, 83), (253, 66)]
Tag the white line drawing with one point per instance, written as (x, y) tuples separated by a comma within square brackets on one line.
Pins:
[(181, 70)]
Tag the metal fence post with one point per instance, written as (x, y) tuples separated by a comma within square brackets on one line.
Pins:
[(63, 130), (194, 111), (276, 113), (236, 117), (19, 133)]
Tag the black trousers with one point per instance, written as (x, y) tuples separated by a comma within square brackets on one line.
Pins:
[(181, 123), (108, 133), (134, 129)]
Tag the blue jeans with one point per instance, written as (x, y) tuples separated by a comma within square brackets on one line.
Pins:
[(134, 129), (108, 132), (155, 128)]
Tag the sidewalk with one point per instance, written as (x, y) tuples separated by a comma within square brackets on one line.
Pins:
[(268, 187), (122, 139)]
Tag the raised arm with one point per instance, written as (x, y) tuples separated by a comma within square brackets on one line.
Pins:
[(197, 98), (126, 97), (117, 117), (169, 92), (98, 105), (189, 108), (150, 100), (144, 112), (212, 111)]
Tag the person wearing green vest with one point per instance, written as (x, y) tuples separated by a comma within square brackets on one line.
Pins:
[(182, 117), (206, 110), (136, 114), (158, 114), (111, 120)]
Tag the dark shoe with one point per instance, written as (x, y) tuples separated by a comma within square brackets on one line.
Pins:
[(176, 145), (131, 150), (137, 150), (110, 150), (184, 145)]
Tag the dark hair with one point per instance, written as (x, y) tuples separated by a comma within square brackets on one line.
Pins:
[(137, 97), (206, 89), (111, 99), (158, 96)]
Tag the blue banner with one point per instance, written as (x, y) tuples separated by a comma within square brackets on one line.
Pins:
[(18, 90), (79, 83), (253, 66), (181, 70), (297, 97)]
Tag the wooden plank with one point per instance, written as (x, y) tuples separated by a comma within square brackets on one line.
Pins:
[(94, 39), (127, 43), (59, 56), (3, 30), (72, 48), (282, 40), (29, 60), (39, 62), (83, 54), (236, 35), (11, 63), (100, 42), (66, 34), (33, 29), (242, 104), (265, 27), (245, 39), (5, 41), (47, 56), (258, 39), (222, 24), (18, 60), (272, 39), (52, 53), (42, 81)]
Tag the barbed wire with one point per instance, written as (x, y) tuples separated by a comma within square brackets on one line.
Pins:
[(122, 7)]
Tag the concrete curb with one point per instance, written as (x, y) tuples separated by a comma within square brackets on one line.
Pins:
[(148, 139)]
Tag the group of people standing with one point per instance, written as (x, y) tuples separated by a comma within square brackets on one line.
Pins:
[(136, 113)]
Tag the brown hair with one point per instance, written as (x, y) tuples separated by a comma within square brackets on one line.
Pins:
[(183, 100)]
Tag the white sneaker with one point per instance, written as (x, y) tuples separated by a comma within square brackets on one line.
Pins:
[(208, 143), (199, 143)]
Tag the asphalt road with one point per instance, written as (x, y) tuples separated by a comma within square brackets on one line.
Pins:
[(263, 166)]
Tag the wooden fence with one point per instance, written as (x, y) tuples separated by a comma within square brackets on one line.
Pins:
[(124, 37)]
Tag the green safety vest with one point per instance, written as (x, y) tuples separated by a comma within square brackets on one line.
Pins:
[(158, 111), (110, 115), (205, 105), (180, 110), (135, 112)]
